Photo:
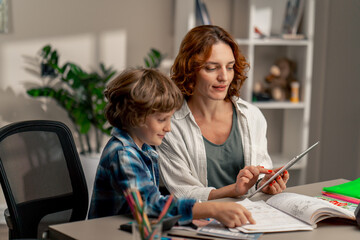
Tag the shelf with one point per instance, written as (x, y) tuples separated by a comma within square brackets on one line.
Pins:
[(272, 42), (241, 41), (279, 105)]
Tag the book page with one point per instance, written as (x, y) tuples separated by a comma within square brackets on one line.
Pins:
[(269, 219), (308, 209), (216, 229)]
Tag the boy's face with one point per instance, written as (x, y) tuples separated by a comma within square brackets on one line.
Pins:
[(153, 130)]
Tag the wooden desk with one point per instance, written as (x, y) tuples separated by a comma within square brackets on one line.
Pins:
[(107, 227)]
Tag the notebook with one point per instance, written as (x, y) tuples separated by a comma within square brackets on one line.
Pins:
[(351, 189)]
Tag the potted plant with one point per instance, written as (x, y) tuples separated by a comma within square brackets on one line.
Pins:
[(79, 93)]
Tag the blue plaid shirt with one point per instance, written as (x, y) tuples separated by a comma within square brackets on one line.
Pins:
[(123, 165)]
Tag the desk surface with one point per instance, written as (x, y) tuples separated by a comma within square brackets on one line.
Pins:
[(108, 227)]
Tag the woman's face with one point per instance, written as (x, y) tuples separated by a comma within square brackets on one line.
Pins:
[(213, 80)]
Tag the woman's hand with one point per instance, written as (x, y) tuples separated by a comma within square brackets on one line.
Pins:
[(231, 214), (247, 177), (278, 185)]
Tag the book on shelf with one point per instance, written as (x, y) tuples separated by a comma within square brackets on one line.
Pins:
[(288, 36), (293, 15), (290, 212), (202, 14), (350, 189)]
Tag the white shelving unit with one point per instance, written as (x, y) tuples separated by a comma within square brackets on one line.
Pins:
[(288, 123)]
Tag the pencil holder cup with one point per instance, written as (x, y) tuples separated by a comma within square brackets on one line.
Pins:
[(141, 232)]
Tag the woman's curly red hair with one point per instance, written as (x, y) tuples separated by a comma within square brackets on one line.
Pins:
[(195, 49)]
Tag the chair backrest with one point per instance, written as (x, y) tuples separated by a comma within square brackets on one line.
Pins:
[(40, 174)]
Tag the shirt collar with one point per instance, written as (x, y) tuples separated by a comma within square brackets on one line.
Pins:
[(183, 111), (127, 141), (240, 104)]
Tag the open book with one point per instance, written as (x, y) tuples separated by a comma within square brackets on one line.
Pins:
[(290, 212)]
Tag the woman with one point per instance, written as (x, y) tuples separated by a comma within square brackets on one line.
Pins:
[(217, 147)]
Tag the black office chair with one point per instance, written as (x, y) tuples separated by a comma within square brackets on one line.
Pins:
[(41, 177)]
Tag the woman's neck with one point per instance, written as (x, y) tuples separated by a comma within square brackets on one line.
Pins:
[(208, 108)]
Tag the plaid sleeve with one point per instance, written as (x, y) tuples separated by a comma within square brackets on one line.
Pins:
[(131, 171)]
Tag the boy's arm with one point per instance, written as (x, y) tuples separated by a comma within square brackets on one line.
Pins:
[(131, 171)]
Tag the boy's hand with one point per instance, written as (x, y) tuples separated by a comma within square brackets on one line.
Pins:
[(232, 214), (278, 185), (247, 177)]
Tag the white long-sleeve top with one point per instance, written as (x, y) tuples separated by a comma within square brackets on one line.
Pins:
[(182, 161)]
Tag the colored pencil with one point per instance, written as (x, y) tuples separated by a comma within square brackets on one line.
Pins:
[(137, 207)]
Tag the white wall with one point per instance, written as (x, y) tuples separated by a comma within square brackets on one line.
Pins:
[(335, 115), (118, 32)]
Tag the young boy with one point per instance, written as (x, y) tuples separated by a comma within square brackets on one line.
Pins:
[(140, 105)]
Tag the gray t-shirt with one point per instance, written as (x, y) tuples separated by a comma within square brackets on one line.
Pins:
[(226, 160)]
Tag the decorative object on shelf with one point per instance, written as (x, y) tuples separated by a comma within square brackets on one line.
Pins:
[(294, 92), (78, 92), (202, 14), (293, 15), (278, 83), (262, 20), (259, 33), (3, 16), (293, 36), (259, 94)]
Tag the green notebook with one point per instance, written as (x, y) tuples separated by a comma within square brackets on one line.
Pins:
[(351, 189)]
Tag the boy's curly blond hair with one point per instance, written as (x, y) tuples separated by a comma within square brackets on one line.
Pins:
[(136, 93)]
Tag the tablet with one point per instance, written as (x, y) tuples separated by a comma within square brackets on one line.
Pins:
[(287, 166)]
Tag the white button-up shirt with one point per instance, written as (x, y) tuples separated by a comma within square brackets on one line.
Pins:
[(183, 164)]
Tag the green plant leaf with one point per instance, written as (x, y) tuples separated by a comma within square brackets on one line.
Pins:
[(41, 92), (147, 64), (156, 53), (45, 51), (153, 59)]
